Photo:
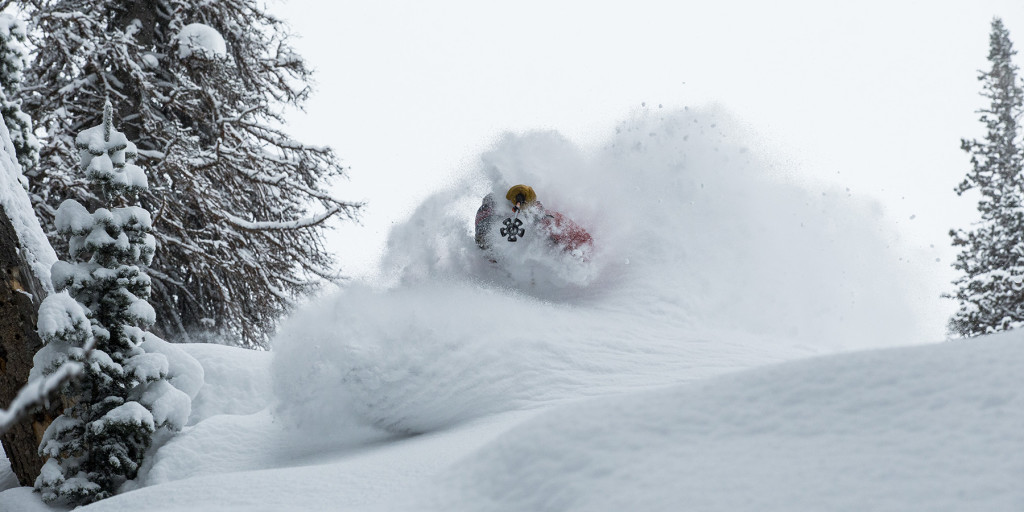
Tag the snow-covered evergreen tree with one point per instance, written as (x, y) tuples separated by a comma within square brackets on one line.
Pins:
[(991, 289), (13, 61), (239, 205), (123, 395)]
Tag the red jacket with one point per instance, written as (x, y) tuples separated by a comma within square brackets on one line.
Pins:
[(564, 232)]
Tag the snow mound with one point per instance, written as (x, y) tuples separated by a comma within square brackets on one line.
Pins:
[(221, 444), (421, 358), (926, 428), (230, 427), (233, 380)]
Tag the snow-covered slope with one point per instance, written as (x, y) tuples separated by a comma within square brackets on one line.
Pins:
[(929, 428), (659, 375), (924, 428)]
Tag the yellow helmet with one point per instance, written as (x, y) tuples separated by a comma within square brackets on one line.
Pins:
[(521, 194)]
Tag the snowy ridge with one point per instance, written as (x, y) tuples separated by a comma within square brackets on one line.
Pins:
[(930, 428), (414, 363)]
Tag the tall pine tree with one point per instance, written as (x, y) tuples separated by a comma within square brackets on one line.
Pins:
[(991, 290), (239, 206), (99, 320)]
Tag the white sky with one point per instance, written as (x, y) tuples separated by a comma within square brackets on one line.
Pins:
[(872, 95)]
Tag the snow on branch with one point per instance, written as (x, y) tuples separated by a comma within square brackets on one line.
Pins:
[(38, 392), (287, 225), (276, 180)]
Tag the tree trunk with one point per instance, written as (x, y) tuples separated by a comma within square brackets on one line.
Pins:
[(20, 295)]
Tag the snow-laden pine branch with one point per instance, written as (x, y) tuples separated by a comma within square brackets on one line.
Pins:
[(38, 391)]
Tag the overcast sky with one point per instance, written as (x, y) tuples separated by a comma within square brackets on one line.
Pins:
[(871, 95)]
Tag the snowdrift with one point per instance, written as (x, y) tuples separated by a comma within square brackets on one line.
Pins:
[(933, 428), (925, 428), (707, 259)]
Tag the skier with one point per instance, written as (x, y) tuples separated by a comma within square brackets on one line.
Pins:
[(561, 231)]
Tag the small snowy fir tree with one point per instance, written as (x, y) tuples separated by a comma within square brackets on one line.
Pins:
[(991, 289), (123, 396), (13, 61), (240, 207)]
